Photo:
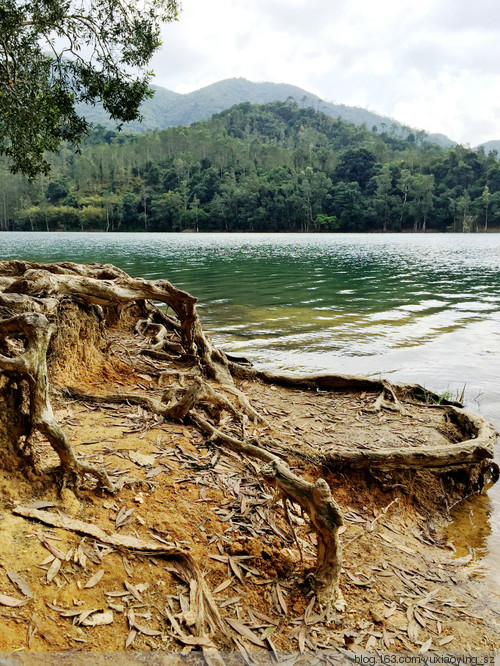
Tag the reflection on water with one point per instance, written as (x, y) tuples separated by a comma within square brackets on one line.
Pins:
[(474, 534), (423, 308)]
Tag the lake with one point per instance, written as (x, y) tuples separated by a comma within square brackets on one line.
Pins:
[(415, 308)]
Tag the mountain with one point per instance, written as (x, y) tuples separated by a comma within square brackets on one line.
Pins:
[(170, 109), (490, 146)]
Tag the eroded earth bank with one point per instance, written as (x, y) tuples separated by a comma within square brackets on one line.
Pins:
[(158, 494)]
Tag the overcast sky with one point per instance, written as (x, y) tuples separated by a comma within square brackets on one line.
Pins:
[(431, 64)]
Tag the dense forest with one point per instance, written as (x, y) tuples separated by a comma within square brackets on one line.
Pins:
[(271, 167)]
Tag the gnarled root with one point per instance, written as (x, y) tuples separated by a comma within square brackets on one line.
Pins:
[(175, 404), (314, 498), (382, 402), (31, 365), (326, 516)]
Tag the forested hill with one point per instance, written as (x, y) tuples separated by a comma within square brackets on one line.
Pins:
[(272, 167), (169, 109)]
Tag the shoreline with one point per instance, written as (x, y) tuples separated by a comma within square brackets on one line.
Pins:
[(189, 503)]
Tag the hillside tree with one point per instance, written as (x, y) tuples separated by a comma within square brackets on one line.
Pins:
[(56, 54)]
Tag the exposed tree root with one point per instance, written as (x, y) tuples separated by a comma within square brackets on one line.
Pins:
[(204, 612), (31, 365), (36, 305), (175, 404), (326, 516), (383, 403), (233, 443), (315, 499), (438, 457)]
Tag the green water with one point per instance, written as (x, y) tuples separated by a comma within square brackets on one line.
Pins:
[(417, 308)]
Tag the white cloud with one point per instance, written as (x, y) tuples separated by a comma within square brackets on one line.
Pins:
[(431, 64)]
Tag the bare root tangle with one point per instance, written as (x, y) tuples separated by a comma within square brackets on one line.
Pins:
[(326, 517), (174, 405), (31, 365), (315, 499), (107, 287), (39, 304), (382, 401), (107, 292), (180, 404), (477, 447)]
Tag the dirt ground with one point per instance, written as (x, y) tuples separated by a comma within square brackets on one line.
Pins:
[(62, 590)]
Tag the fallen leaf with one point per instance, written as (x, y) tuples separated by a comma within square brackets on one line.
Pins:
[(156, 470), (302, 637), (40, 504), (133, 590), (308, 617), (12, 601), (131, 637), (390, 611), (21, 584), (413, 631), (122, 516), (63, 611), (56, 552), (142, 459), (92, 582), (281, 599), (269, 631), (202, 641), (47, 560), (146, 630), (236, 570), (32, 632), (127, 567), (223, 586), (387, 639), (419, 618), (358, 582), (82, 615), (53, 569), (98, 619), (446, 640), (244, 631), (425, 646)]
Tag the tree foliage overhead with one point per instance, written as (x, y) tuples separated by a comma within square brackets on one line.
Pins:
[(57, 53)]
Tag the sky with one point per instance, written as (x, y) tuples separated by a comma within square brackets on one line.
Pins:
[(430, 64)]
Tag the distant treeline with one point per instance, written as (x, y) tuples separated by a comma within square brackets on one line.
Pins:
[(272, 167)]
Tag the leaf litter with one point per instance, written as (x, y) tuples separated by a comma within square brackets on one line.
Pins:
[(242, 547)]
